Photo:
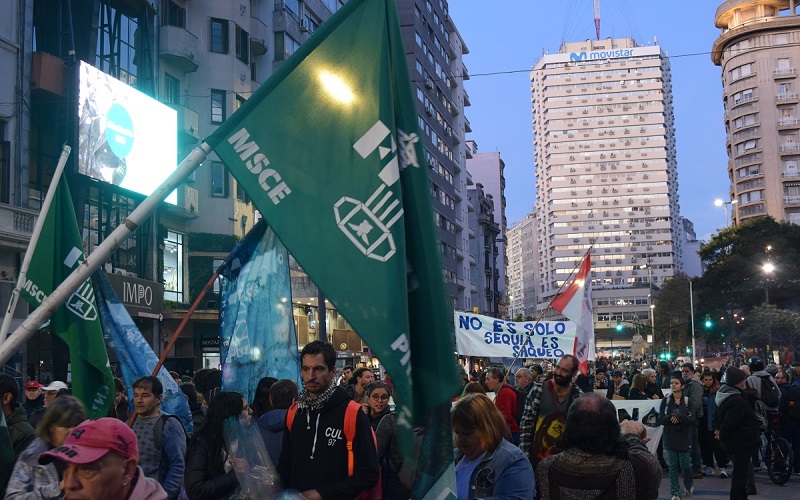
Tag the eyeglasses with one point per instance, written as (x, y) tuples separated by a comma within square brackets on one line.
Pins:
[(380, 397)]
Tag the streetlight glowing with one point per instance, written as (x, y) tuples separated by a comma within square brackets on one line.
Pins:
[(769, 268), (718, 202)]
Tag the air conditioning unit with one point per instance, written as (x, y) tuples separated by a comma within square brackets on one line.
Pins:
[(303, 25), (429, 83)]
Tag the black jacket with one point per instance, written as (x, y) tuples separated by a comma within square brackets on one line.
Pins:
[(736, 420), (677, 437), (314, 452), (204, 476)]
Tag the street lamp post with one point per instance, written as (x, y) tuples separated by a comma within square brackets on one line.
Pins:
[(719, 202), (691, 315)]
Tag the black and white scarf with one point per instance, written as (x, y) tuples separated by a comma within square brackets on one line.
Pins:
[(307, 403)]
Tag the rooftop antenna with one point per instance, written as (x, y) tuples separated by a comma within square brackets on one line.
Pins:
[(597, 18)]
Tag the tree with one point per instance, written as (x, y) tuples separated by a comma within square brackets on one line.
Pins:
[(768, 325), (671, 314), (734, 278)]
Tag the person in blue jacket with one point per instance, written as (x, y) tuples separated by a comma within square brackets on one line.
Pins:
[(488, 465)]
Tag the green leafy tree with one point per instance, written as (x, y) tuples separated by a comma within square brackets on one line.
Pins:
[(734, 280), (734, 277), (671, 314), (768, 325)]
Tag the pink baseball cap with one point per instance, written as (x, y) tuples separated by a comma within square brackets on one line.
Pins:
[(92, 439)]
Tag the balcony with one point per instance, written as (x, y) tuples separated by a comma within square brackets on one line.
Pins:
[(258, 37), (785, 73), (790, 148), (788, 122), (16, 227), (791, 199), (786, 97), (188, 124), (178, 47), (790, 174)]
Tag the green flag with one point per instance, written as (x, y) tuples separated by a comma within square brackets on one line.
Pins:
[(329, 151), (57, 253)]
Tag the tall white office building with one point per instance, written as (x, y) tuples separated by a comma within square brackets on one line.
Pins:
[(606, 174)]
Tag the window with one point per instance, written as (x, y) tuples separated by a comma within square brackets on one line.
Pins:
[(116, 41), (284, 46), (291, 6), (311, 24), (217, 106), (741, 71), (219, 36), (241, 194), (173, 266), (172, 89), (174, 15), (242, 45), (220, 280), (219, 180)]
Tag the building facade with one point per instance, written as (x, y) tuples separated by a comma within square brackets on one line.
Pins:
[(691, 264), (435, 53), (758, 53), (606, 174), (484, 247), (521, 257), (202, 58), (487, 169)]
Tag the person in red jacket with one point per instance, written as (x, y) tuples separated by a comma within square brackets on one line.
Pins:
[(505, 399)]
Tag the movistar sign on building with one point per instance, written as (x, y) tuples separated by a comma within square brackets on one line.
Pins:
[(600, 54)]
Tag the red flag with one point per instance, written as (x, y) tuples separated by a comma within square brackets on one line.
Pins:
[(575, 303)]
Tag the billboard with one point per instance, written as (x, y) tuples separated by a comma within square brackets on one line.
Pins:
[(126, 138)]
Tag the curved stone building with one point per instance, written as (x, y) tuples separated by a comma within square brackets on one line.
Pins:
[(758, 50)]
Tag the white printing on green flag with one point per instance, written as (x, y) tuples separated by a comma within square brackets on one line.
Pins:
[(329, 151), (58, 252)]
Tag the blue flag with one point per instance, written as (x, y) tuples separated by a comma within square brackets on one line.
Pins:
[(257, 335), (136, 358)]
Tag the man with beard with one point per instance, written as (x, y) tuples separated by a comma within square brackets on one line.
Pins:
[(546, 408), (358, 391), (315, 459)]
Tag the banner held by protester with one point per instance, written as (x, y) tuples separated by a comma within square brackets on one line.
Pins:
[(329, 150), (478, 335), (59, 251), (257, 335), (136, 357)]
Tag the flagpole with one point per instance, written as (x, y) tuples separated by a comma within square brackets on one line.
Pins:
[(37, 231), (178, 331), (539, 320), (100, 255), (185, 320)]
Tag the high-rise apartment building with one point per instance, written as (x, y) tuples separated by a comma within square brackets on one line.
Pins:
[(434, 50), (606, 173), (521, 258), (758, 52), (487, 169)]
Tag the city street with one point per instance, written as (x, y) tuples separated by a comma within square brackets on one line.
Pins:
[(714, 488)]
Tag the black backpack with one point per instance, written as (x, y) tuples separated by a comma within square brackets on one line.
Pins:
[(770, 394)]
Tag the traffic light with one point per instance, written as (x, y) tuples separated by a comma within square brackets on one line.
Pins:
[(708, 322), (619, 326)]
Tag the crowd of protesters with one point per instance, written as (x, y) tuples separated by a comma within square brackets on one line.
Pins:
[(546, 431)]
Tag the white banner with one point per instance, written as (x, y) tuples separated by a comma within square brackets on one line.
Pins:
[(478, 335)]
